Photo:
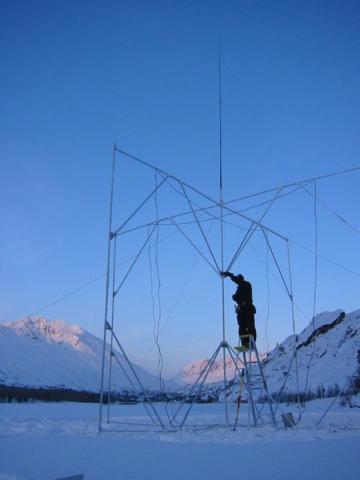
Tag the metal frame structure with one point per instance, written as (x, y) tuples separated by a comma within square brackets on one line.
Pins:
[(246, 376), (217, 266)]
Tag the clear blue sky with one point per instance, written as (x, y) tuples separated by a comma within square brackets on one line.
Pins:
[(77, 76)]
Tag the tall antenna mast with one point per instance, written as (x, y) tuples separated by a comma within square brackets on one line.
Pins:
[(220, 124), (224, 343)]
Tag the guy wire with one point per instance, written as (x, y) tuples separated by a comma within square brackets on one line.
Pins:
[(268, 299), (156, 314), (315, 288)]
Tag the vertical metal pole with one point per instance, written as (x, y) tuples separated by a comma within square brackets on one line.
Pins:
[(268, 398), (294, 329), (112, 327), (250, 393), (107, 283), (251, 379), (222, 238)]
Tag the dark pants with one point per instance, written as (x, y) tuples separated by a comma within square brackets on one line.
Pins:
[(246, 321)]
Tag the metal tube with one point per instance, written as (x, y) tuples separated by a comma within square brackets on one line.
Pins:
[(223, 303), (112, 326), (277, 264), (216, 203), (264, 382), (200, 227), (138, 380), (307, 180), (294, 330), (132, 385), (134, 261), (248, 381), (251, 231), (193, 244), (211, 361), (140, 206), (221, 203), (107, 283), (210, 364)]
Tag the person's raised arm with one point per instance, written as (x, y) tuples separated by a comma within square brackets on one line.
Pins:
[(233, 277)]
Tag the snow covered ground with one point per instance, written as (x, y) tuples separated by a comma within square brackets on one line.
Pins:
[(44, 441)]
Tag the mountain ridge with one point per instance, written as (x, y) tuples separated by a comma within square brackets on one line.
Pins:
[(38, 352), (327, 351)]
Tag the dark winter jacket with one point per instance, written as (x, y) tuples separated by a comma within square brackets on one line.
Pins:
[(243, 294)]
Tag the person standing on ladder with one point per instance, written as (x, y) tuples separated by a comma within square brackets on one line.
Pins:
[(245, 309)]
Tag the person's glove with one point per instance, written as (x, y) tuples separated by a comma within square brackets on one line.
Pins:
[(225, 274)]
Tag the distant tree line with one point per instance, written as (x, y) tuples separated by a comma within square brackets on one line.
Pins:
[(352, 388), (11, 393)]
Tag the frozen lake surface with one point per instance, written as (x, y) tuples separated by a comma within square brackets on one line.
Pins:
[(53, 440)]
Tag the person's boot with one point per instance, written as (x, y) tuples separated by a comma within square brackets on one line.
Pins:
[(243, 348)]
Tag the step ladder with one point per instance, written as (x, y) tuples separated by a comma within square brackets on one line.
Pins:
[(254, 383)]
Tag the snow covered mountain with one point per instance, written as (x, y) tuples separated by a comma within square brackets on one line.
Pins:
[(190, 373), (39, 352), (327, 354)]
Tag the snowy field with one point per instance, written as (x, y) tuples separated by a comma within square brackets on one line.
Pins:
[(45, 441)]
